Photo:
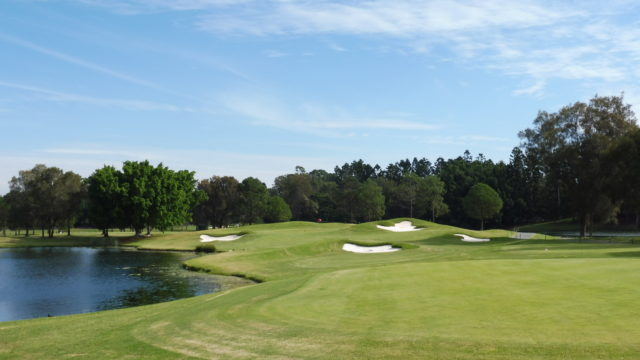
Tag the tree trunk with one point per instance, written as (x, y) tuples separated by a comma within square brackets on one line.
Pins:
[(583, 226), (481, 224)]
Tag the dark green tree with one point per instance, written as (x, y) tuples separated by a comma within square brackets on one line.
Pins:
[(571, 144), (106, 199), (254, 200), (277, 210), (297, 190), (482, 203), (222, 206), (4, 215)]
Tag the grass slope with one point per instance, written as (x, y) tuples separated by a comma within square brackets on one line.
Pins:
[(438, 298)]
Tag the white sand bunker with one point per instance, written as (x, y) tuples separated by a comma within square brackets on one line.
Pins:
[(207, 238), (368, 249), (399, 227), (467, 238)]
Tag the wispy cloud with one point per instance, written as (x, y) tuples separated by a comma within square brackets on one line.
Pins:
[(535, 89), (534, 41), (81, 62), (386, 17), (53, 95), (274, 53), (312, 118), (134, 7)]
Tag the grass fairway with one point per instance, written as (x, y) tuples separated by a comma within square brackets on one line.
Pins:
[(438, 298)]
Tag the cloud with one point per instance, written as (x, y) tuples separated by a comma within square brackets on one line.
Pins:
[(534, 41), (274, 53), (535, 89), (135, 7), (380, 17), (138, 105), (312, 118), (82, 63)]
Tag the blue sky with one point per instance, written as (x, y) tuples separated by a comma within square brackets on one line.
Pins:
[(254, 88)]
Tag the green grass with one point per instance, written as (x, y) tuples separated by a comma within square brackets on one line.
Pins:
[(438, 298)]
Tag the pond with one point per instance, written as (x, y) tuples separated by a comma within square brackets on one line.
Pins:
[(53, 281)]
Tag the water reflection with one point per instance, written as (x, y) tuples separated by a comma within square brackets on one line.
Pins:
[(37, 282)]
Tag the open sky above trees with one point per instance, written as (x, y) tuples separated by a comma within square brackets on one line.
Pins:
[(254, 88)]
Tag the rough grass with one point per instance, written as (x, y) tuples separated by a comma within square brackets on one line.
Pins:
[(438, 298)]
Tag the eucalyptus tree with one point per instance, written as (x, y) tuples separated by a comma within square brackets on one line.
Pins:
[(4, 215), (47, 196), (571, 144), (297, 190), (222, 204)]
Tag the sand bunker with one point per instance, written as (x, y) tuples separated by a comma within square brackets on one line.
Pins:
[(399, 227), (207, 238), (467, 238), (368, 249)]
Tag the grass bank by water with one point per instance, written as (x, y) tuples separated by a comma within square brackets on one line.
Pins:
[(438, 298)]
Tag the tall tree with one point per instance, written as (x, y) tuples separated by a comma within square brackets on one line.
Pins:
[(4, 215), (570, 145), (297, 190), (222, 206), (482, 203), (48, 196), (254, 200), (106, 197), (277, 210), (136, 181)]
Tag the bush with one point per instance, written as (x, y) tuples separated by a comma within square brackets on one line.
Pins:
[(207, 249)]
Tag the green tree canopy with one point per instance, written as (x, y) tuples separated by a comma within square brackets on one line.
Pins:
[(482, 203), (254, 200), (277, 210), (105, 194), (570, 146)]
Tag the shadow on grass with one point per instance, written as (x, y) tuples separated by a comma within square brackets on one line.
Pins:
[(625, 254)]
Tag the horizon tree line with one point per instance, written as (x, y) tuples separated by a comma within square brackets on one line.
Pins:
[(581, 161)]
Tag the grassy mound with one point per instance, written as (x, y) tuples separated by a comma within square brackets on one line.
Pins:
[(439, 298)]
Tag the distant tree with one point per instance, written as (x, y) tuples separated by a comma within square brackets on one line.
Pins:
[(20, 211), (482, 203), (71, 191), (622, 163), (570, 146), (370, 201), (4, 215), (106, 193), (174, 197), (277, 210), (254, 200), (155, 197), (325, 195), (430, 200), (297, 190), (138, 194), (46, 195), (222, 206)]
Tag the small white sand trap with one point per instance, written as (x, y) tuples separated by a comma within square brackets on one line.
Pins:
[(467, 238), (399, 227), (368, 249), (207, 238)]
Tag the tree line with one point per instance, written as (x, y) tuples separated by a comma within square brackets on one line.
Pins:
[(581, 161)]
